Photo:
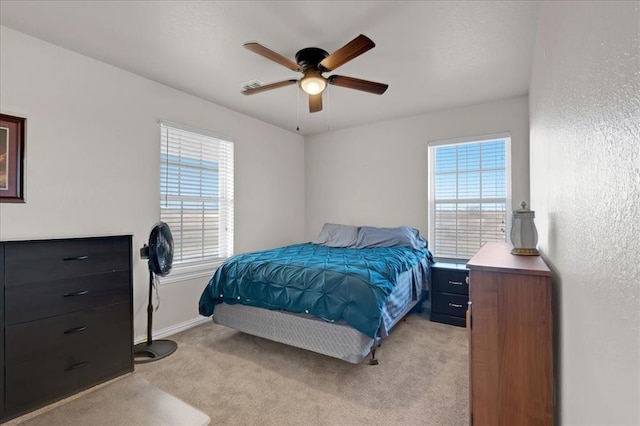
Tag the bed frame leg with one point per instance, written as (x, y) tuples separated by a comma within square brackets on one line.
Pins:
[(373, 360)]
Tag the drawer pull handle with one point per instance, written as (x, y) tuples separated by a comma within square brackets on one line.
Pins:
[(455, 282), (76, 293), (76, 366), (75, 330), (455, 305), (76, 258)]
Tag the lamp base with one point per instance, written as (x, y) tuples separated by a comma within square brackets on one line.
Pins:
[(148, 352), (525, 252)]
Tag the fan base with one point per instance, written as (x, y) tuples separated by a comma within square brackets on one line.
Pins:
[(157, 349), (310, 57)]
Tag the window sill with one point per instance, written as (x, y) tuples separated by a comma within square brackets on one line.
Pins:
[(189, 272), (450, 260)]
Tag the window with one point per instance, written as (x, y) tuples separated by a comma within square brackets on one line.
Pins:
[(196, 197), (469, 192)]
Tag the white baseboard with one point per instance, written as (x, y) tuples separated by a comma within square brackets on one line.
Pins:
[(177, 328)]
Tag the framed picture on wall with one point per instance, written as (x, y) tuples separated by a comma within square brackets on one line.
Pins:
[(12, 145)]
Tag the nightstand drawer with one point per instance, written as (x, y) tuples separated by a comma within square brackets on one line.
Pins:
[(448, 319), (32, 261), (449, 304), (449, 281)]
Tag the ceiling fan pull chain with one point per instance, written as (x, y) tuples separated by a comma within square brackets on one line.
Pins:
[(328, 111), (297, 110)]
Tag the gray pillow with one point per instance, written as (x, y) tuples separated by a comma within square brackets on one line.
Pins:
[(333, 235), (369, 236)]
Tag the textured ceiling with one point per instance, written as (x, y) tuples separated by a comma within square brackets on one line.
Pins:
[(433, 55)]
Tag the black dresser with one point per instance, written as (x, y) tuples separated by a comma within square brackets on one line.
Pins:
[(66, 322), (449, 293)]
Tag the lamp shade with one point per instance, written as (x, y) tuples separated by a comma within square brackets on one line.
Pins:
[(313, 84), (524, 236)]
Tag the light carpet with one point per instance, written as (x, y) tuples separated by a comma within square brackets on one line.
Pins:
[(130, 400), (238, 379)]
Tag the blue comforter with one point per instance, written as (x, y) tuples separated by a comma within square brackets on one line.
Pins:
[(332, 283)]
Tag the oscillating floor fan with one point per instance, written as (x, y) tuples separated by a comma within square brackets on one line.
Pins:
[(159, 251)]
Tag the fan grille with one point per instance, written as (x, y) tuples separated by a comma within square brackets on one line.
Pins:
[(160, 249)]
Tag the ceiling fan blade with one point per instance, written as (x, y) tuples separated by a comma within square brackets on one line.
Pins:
[(266, 87), (357, 84), (353, 49), (315, 102), (270, 54)]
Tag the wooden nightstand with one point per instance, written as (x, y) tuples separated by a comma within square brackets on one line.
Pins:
[(449, 293)]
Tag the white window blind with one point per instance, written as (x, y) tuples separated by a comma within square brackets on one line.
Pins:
[(196, 194), (469, 193)]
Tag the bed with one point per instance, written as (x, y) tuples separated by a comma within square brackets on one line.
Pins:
[(339, 295)]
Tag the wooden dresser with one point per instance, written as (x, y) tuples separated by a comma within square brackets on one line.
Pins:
[(511, 334), (66, 322)]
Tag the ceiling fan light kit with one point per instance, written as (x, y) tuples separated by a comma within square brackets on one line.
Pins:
[(313, 83), (312, 62)]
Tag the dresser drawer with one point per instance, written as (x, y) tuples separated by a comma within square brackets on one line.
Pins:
[(43, 299), (449, 304), (31, 388), (33, 385), (52, 358), (104, 329), (449, 281), (31, 261)]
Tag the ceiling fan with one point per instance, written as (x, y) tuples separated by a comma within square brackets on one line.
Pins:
[(313, 62)]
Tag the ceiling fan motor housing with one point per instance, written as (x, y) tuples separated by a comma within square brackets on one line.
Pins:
[(310, 57)]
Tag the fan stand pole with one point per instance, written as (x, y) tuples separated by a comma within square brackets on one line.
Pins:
[(152, 350), (150, 309)]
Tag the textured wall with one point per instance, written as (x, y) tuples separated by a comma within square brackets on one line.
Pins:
[(585, 188)]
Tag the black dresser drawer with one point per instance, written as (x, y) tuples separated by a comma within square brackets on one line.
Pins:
[(104, 329), (55, 357), (43, 299), (30, 261), (449, 281), (30, 387), (36, 381), (450, 304)]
